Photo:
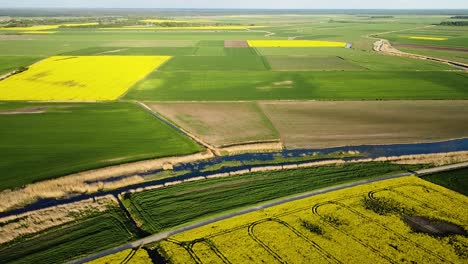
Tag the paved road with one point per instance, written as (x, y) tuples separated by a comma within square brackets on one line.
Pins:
[(164, 235)]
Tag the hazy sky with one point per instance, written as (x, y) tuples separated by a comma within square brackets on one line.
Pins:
[(268, 4)]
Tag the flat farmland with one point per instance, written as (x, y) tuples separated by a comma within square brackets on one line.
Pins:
[(436, 36), (359, 59), (455, 180), (70, 241), (192, 201), (216, 63), (269, 85), (11, 63), (331, 124), (43, 141), (399, 220), (293, 63), (220, 124), (79, 78)]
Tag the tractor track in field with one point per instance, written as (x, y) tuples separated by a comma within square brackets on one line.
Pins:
[(168, 234)]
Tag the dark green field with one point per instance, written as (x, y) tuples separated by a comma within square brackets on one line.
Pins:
[(456, 180), (333, 85), (219, 63), (71, 241), (172, 206), (68, 138), (11, 63)]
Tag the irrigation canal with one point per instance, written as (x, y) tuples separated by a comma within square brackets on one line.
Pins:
[(196, 169)]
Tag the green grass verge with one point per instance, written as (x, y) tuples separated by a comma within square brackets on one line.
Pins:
[(12, 63), (68, 138), (265, 85), (71, 241), (456, 180), (172, 206)]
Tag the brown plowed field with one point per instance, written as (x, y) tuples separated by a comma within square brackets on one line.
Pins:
[(236, 44)]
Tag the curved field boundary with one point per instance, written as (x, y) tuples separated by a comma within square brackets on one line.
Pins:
[(380, 225), (322, 252)]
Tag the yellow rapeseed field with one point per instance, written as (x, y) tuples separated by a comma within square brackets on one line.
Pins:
[(127, 256), (48, 27), (33, 28), (365, 224), (39, 32), (164, 21), (294, 43), (427, 38), (187, 28), (79, 78)]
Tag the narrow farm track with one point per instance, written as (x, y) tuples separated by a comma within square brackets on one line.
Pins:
[(165, 235)]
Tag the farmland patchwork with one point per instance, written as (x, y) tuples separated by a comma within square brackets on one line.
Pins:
[(81, 78)]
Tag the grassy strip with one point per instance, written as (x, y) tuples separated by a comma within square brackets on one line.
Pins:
[(71, 241), (176, 205), (456, 180), (68, 138)]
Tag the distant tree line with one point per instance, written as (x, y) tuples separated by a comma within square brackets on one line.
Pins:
[(459, 17), (454, 23), (374, 17)]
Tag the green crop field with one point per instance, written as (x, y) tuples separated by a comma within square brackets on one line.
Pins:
[(10, 63), (71, 241), (172, 206), (42, 141), (300, 93), (455, 180), (268, 85), (219, 63)]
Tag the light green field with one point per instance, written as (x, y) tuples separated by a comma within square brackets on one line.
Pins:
[(216, 63), (43, 141), (334, 85)]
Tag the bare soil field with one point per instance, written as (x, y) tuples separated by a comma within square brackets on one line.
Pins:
[(330, 124), (220, 124), (236, 44), (430, 47)]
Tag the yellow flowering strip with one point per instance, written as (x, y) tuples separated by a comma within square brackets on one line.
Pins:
[(80, 24), (362, 224), (139, 257), (294, 43), (33, 28), (164, 21), (38, 32), (427, 38), (81, 78), (48, 27)]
